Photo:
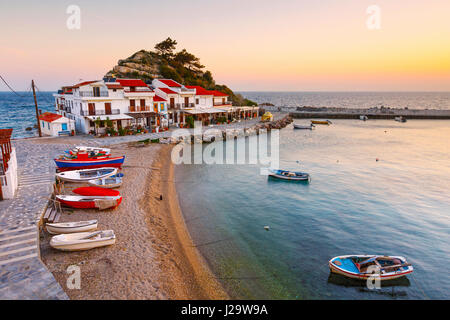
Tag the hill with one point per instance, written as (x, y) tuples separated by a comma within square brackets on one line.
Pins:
[(181, 66)]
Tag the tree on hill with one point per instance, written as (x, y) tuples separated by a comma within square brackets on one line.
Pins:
[(166, 48), (188, 60)]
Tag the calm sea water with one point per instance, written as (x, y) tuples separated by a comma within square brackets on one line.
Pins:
[(411, 100), (354, 204), (18, 112)]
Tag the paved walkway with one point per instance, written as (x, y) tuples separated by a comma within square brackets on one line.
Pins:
[(22, 274)]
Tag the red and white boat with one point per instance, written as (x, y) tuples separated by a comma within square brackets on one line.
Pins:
[(365, 266), (91, 198)]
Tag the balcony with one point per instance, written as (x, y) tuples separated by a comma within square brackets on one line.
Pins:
[(140, 109), (181, 105), (99, 112), (91, 94), (139, 93)]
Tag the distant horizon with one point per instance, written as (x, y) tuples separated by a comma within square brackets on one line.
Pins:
[(337, 91)]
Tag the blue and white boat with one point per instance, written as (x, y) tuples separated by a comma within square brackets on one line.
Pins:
[(289, 175), (364, 266)]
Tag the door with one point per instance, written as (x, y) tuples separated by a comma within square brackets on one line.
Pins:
[(64, 126), (132, 106), (186, 102), (91, 107), (108, 108), (142, 104), (172, 103)]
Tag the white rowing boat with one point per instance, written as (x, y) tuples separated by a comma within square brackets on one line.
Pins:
[(299, 126), (85, 175), (71, 227), (111, 182), (83, 240)]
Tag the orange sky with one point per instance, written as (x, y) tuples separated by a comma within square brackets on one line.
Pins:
[(248, 45)]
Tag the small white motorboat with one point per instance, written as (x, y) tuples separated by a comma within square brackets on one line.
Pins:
[(363, 118), (71, 227), (289, 175), (85, 175), (299, 126), (363, 266), (83, 240), (400, 119), (111, 182)]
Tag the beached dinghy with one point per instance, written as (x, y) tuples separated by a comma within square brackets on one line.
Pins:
[(96, 191), (400, 119), (89, 150), (71, 227), (83, 240), (89, 163), (327, 122), (89, 202), (86, 174), (111, 182), (359, 266), (289, 175), (299, 126)]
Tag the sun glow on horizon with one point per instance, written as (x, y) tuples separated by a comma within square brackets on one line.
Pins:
[(256, 45)]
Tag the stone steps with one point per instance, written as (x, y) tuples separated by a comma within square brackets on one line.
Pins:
[(33, 180), (18, 244)]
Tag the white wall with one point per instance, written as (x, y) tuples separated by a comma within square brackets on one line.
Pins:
[(11, 177)]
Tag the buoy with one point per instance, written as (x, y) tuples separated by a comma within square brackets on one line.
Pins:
[(267, 228)]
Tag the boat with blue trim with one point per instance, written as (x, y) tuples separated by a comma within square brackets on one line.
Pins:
[(89, 163), (364, 266), (289, 175)]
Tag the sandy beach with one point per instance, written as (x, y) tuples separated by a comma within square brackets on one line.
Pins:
[(154, 257)]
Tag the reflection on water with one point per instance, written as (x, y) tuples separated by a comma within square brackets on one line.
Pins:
[(353, 205)]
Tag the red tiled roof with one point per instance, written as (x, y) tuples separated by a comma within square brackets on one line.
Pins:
[(132, 83), (200, 91), (170, 83), (167, 90), (84, 83), (49, 117), (218, 93), (157, 98), (114, 86)]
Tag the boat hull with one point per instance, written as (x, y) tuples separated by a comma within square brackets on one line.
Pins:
[(320, 122), (60, 228), (364, 276), (88, 204), (278, 175), (74, 242), (76, 176), (65, 165)]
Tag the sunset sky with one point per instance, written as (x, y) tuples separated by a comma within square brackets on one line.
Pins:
[(254, 45)]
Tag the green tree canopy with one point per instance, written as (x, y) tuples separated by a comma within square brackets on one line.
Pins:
[(166, 48)]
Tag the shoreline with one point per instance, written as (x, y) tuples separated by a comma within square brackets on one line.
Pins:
[(154, 256)]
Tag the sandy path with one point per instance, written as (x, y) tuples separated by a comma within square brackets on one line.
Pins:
[(153, 257)]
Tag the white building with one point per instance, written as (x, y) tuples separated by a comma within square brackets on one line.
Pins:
[(53, 124), (126, 102), (8, 166)]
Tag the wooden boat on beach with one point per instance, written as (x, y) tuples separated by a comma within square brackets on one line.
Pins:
[(83, 240), (71, 227), (326, 122), (299, 126), (79, 149), (111, 182), (86, 174), (289, 175), (363, 266), (89, 202), (96, 191), (89, 163)]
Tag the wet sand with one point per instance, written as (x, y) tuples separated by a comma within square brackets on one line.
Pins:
[(154, 256)]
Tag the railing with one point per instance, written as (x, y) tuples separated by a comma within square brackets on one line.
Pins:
[(226, 103), (139, 91), (139, 109), (99, 112), (91, 94), (182, 105)]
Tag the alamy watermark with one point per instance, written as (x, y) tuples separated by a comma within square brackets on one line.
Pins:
[(73, 281), (373, 21), (74, 20)]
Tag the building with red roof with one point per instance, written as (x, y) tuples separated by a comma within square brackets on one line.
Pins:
[(53, 124)]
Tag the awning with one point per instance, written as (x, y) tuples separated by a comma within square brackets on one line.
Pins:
[(110, 116), (204, 110)]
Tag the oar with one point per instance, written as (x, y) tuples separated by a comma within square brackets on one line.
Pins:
[(91, 235)]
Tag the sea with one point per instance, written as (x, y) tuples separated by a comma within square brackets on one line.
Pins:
[(377, 187)]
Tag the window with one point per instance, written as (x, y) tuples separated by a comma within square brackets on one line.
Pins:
[(162, 106), (48, 125), (64, 126)]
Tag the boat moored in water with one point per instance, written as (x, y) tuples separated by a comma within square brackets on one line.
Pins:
[(299, 126), (289, 175), (326, 122), (364, 266), (83, 240), (86, 174)]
